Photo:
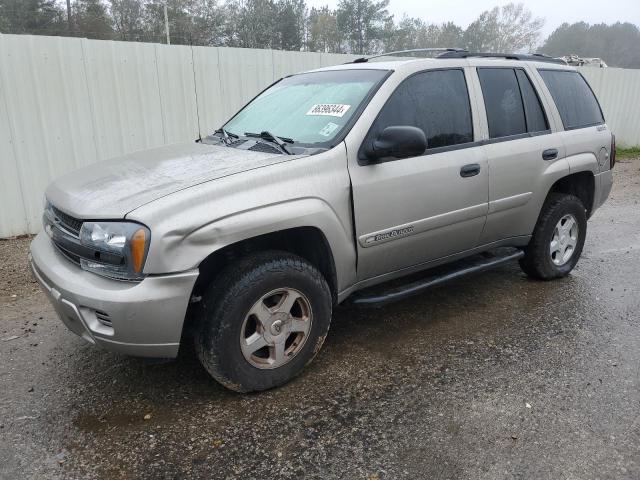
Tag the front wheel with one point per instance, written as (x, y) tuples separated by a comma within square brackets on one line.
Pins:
[(558, 238), (262, 320)]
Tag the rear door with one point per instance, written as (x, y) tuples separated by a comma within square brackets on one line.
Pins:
[(525, 155), (412, 210), (586, 137)]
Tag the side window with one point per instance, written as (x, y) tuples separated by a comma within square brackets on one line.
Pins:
[(534, 114), (436, 102), (572, 95), (503, 102)]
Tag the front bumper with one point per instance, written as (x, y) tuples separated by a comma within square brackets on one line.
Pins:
[(142, 319)]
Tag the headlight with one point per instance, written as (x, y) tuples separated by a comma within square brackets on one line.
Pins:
[(120, 248)]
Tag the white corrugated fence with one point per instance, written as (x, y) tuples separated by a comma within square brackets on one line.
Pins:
[(68, 102)]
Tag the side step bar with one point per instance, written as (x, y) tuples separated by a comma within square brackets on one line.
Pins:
[(471, 266)]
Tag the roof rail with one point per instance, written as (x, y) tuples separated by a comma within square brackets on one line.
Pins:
[(413, 50), (535, 57)]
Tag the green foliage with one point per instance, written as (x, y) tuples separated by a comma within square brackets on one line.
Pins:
[(363, 24), (412, 33), (617, 44), (127, 18), (323, 34), (633, 152), (510, 28), (92, 19), (43, 17)]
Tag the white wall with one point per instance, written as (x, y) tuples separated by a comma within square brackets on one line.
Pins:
[(68, 102)]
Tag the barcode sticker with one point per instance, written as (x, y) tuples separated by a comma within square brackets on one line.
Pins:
[(328, 129), (329, 109)]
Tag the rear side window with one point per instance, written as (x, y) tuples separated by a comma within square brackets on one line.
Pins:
[(436, 102), (502, 101), (534, 114), (576, 102)]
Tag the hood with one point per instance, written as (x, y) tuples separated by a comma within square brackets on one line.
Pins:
[(113, 188)]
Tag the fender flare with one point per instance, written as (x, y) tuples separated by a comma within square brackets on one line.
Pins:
[(189, 251)]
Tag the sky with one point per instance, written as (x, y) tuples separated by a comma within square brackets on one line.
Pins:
[(556, 12)]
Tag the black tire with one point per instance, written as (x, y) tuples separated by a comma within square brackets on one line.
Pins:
[(537, 262), (228, 300)]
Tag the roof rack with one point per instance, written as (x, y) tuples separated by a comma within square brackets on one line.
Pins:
[(535, 57), (413, 50), (462, 53)]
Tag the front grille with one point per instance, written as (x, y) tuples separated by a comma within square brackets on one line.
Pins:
[(69, 255), (67, 222)]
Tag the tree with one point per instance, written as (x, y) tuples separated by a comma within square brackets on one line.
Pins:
[(618, 44), (362, 23), (323, 34), (412, 33), (127, 18), (91, 19), (290, 24), (251, 23), (404, 35), (450, 35), (510, 28), (208, 22), (37, 17)]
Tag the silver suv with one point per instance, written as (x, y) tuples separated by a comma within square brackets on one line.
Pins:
[(325, 184)]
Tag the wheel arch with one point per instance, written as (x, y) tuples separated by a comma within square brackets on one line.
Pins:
[(581, 184), (308, 242)]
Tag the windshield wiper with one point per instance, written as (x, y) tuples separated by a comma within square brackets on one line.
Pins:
[(226, 136), (269, 137)]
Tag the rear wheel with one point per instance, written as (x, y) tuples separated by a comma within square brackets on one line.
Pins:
[(557, 241), (262, 320)]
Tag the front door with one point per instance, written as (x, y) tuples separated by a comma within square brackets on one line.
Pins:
[(413, 210)]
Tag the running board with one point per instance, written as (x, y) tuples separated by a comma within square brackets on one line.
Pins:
[(470, 266)]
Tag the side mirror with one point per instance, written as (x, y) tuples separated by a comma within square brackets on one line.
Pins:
[(400, 141)]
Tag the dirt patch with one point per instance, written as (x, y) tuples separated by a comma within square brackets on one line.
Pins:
[(15, 277)]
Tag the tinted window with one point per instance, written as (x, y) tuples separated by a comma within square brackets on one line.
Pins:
[(536, 119), (503, 102), (576, 103), (436, 102)]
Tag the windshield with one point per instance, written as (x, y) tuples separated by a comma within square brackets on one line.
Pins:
[(310, 108)]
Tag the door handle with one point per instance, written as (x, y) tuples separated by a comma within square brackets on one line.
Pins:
[(470, 170), (550, 154)]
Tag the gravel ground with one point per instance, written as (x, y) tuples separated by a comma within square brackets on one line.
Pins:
[(489, 377)]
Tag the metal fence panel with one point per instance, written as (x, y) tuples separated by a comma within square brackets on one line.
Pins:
[(124, 96), (48, 109), (211, 111), (12, 214), (177, 97), (619, 93)]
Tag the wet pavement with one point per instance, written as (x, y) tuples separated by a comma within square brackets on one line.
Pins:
[(493, 376)]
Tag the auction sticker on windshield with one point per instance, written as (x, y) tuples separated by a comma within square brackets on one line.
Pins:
[(328, 129), (329, 109)]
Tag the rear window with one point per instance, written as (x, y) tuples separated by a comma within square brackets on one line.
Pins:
[(536, 119), (576, 102)]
